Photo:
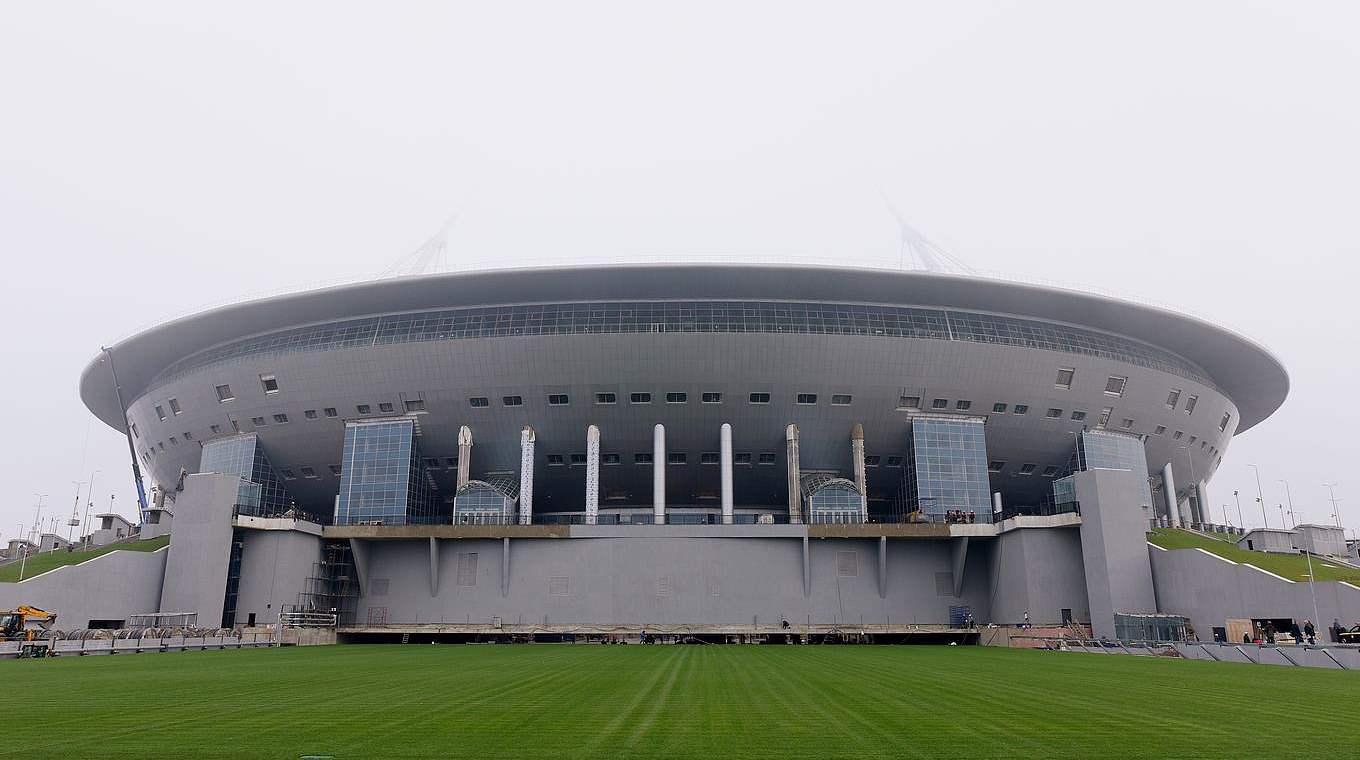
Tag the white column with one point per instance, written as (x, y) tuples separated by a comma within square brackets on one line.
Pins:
[(1202, 491), (795, 481), (857, 458), (464, 454), (1173, 510), (659, 474), (726, 444), (592, 474), (526, 475), (996, 503)]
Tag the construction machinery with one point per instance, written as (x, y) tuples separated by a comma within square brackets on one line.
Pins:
[(31, 626)]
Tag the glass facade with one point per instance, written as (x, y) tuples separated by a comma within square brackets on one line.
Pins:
[(1104, 450), (262, 492), (382, 478), (946, 469), (694, 316), (828, 499), (486, 502)]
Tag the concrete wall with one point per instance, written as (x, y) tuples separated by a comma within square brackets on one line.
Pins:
[(1039, 571), (200, 548), (1269, 540), (1114, 546), (111, 586), (275, 565), (1321, 539), (1209, 590)]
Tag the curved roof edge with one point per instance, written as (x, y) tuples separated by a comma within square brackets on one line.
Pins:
[(1246, 371)]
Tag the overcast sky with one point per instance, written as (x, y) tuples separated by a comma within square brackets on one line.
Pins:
[(159, 158)]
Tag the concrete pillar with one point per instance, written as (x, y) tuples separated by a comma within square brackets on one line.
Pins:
[(1202, 492), (857, 458), (659, 474), (726, 448), (526, 475), (592, 474), (996, 505), (1173, 510), (795, 485), (464, 454)]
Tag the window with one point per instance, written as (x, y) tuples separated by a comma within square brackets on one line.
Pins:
[(1028, 468), (258, 421), (335, 469), (479, 402), (282, 419), (1173, 397), (1078, 415), (675, 457), (1114, 386), (742, 457), (708, 457), (640, 398), (188, 436), (642, 458), (307, 472), (1176, 436), (996, 466), (872, 460), (386, 407), (1050, 471), (1126, 423), (766, 457), (760, 398), (1159, 430), (1190, 404), (940, 403), (1020, 409), (287, 474), (894, 461), (161, 444), (577, 458), (807, 398), (1104, 416), (512, 400), (963, 405), (1053, 414), (554, 399), (269, 383), (1065, 376), (363, 408), (160, 413), (606, 398), (174, 406), (554, 460), (309, 414), (216, 429), (174, 441), (609, 458), (415, 405), (840, 399), (330, 412), (999, 408), (1192, 440), (677, 398), (1223, 423), (235, 426), (712, 398), (908, 402)]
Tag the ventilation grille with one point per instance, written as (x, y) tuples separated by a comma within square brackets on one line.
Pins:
[(467, 569), (559, 585), (847, 564)]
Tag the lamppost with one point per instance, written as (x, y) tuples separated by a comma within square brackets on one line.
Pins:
[(89, 502), (1226, 521), (1331, 493), (1240, 522), (75, 507), (1290, 498), (1261, 496), (37, 518)]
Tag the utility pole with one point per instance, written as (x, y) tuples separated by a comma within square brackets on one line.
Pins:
[(1290, 497), (1336, 511), (37, 519), (1240, 522), (89, 502), (1261, 496)]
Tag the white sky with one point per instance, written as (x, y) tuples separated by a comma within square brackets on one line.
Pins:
[(158, 158)]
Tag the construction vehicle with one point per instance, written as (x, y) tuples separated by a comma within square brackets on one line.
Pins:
[(28, 625)]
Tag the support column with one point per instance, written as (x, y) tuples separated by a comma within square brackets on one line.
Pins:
[(505, 567), (726, 448), (526, 475), (795, 481), (659, 474), (434, 566), (1205, 512), (882, 567), (592, 474), (464, 454), (996, 506), (857, 457), (1173, 510)]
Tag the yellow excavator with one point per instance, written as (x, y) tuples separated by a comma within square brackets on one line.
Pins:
[(27, 624)]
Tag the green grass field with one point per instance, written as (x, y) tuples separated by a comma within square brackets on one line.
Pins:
[(41, 563), (1291, 566), (561, 701)]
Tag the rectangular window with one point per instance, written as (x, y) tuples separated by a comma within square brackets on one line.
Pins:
[(1192, 440), (708, 457), (555, 460), (1053, 414), (415, 405), (287, 474), (557, 399), (1104, 416), (160, 413), (609, 458), (642, 457), (174, 406), (1065, 376), (1028, 468), (766, 457), (840, 399), (963, 405), (1173, 398), (760, 398), (894, 461), (675, 457), (258, 421), (479, 402), (577, 458), (996, 466), (216, 429), (281, 418), (940, 403), (386, 407), (512, 400), (1159, 430), (1223, 423), (606, 398), (1078, 415), (807, 398), (1050, 471), (1176, 436), (742, 457), (1020, 409), (640, 398), (1114, 386), (677, 398), (712, 398), (307, 472), (999, 408), (335, 469), (872, 460), (908, 402), (363, 408), (188, 436), (269, 383), (1126, 423), (330, 412), (174, 441), (1190, 404), (132, 427), (309, 414), (224, 393)]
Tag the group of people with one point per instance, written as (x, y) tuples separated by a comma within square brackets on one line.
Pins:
[(960, 516)]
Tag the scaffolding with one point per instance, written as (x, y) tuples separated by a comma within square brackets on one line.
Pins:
[(333, 586)]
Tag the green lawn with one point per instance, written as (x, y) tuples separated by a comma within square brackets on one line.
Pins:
[(780, 702), (1291, 566), (41, 563)]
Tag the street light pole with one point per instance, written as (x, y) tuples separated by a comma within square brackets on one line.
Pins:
[(1240, 522), (89, 502), (1290, 497), (1261, 496), (1331, 493), (37, 518)]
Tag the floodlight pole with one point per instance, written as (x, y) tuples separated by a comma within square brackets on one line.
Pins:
[(1316, 620), (1261, 496), (1241, 523), (1336, 511)]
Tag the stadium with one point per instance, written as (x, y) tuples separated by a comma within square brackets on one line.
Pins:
[(719, 450)]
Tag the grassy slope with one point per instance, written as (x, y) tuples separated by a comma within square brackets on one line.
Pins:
[(1291, 566), (558, 701), (41, 563)]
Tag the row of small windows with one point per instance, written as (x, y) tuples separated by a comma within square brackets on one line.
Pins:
[(706, 458), (1027, 469), (674, 397)]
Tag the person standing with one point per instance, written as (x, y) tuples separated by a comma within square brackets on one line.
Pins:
[(1310, 631)]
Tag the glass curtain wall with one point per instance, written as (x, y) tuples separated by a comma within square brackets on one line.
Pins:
[(382, 478)]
